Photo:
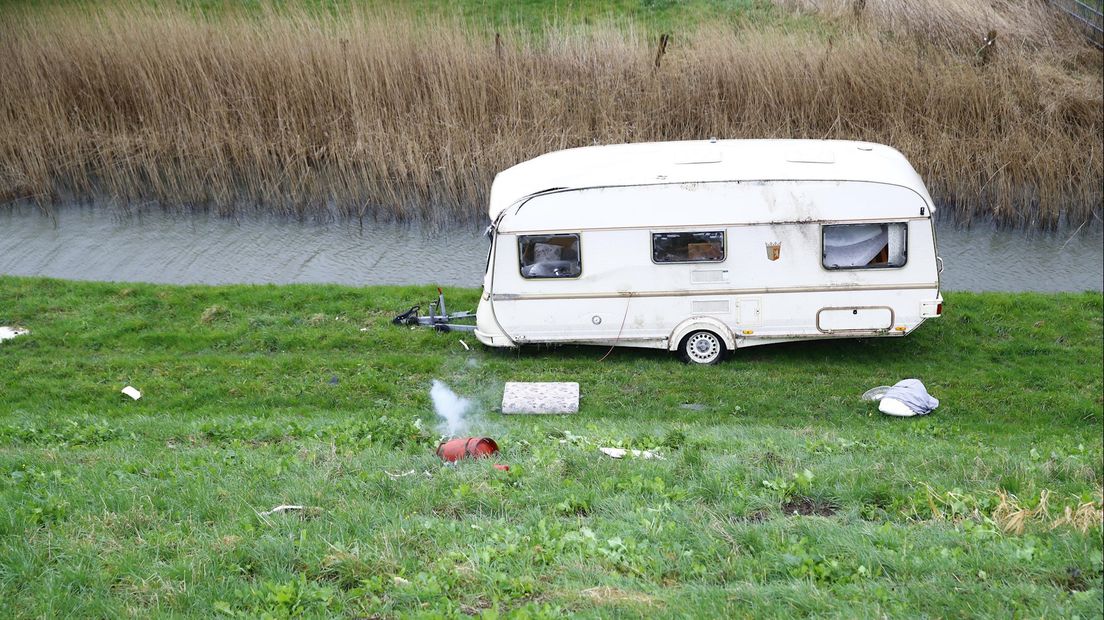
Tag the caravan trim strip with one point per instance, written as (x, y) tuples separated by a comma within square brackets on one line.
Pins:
[(701, 293)]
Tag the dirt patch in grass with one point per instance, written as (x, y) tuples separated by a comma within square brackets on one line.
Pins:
[(607, 595), (756, 517), (212, 314), (1072, 580), (806, 506), (771, 458), (477, 607)]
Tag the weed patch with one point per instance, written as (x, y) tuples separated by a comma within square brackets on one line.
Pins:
[(1013, 515), (802, 561), (214, 313), (786, 488), (392, 433), (290, 599), (805, 506), (85, 431)]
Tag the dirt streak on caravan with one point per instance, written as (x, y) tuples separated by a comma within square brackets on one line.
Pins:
[(705, 247)]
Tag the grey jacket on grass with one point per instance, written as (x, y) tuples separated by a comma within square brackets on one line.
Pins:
[(914, 395)]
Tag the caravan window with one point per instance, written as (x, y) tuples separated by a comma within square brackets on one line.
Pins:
[(861, 246), (549, 256), (688, 247)]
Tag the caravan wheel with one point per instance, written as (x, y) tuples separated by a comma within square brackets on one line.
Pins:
[(702, 347)]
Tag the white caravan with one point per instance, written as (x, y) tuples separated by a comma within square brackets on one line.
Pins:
[(708, 246)]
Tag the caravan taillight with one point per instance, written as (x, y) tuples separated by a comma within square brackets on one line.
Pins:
[(939, 309)]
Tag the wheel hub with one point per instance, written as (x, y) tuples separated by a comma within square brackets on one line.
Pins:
[(703, 348)]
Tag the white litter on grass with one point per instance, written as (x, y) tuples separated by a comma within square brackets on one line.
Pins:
[(394, 475), (304, 512), (282, 508), (131, 392), (548, 397), (618, 453), (466, 347), (7, 333)]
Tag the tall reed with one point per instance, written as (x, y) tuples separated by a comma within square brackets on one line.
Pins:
[(387, 116)]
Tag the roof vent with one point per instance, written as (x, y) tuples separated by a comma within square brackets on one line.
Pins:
[(811, 156)]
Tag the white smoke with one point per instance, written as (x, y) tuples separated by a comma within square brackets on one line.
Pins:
[(451, 408)]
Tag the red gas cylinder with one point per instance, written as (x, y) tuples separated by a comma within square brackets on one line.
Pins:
[(466, 448)]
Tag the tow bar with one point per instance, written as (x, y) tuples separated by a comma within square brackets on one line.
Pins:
[(437, 318)]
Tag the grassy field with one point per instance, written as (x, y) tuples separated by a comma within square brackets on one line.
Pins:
[(780, 491), (408, 110), (532, 15)]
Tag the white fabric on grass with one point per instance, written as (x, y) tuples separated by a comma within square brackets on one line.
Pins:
[(908, 397)]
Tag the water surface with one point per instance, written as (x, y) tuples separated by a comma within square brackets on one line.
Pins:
[(156, 246)]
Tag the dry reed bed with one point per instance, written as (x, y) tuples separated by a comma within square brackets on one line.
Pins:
[(385, 117)]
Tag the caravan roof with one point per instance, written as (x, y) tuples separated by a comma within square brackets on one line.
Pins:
[(654, 163)]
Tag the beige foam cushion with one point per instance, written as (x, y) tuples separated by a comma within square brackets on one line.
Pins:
[(547, 397)]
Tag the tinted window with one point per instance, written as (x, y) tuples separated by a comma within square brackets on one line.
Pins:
[(549, 256), (688, 247)]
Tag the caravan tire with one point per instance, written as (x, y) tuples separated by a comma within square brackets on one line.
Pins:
[(702, 347)]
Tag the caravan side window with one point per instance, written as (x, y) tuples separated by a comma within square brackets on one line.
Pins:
[(549, 256), (688, 247), (864, 246)]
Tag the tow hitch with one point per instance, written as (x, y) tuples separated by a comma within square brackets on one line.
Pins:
[(437, 318)]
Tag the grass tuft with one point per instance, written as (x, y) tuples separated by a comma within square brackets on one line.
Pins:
[(212, 314)]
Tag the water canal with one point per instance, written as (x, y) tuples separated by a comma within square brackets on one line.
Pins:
[(86, 243)]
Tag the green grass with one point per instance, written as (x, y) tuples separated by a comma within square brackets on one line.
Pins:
[(651, 16), (113, 507)]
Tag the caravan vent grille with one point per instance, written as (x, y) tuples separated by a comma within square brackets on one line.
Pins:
[(705, 276), (713, 305)]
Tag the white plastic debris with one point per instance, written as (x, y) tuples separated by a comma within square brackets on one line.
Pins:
[(397, 475), (548, 397), (618, 453), (131, 392), (7, 333), (875, 394), (304, 512), (466, 347), (282, 508)]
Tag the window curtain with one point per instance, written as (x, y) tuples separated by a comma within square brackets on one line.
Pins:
[(898, 234), (855, 245)]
